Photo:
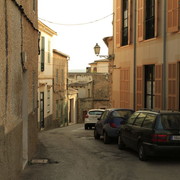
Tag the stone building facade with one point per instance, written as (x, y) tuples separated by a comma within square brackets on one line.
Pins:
[(18, 76), (45, 77), (93, 91), (147, 56), (60, 88)]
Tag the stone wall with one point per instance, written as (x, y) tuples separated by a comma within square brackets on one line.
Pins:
[(18, 75)]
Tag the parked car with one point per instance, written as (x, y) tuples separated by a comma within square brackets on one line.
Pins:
[(151, 133), (109, 122), (91, 117)]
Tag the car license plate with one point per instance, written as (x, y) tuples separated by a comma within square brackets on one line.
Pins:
[(175, 138)]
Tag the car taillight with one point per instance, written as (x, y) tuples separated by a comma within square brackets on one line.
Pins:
[(159, 138), (86, 116), (113, 125)]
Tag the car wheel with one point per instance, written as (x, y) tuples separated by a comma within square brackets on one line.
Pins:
[(141, 152), (121, 144), (106, 138), (96, 135)]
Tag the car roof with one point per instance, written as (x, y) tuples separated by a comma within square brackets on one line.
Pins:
[(160, 111), (116, 109), (96, 110)]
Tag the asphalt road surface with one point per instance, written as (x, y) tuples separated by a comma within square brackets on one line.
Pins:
[(74, 154)]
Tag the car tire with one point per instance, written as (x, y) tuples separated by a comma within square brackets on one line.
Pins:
[(121, 144), (106, 138), (96, 135), (141, 152)]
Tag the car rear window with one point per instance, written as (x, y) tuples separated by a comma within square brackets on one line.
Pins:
[(168, 121), (117, 120), (95, 112)]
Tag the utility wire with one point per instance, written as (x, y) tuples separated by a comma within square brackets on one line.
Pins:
[(85, 23)]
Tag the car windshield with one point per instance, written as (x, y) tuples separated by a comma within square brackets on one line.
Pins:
[(169, 121), (122, 113), (95, 112)]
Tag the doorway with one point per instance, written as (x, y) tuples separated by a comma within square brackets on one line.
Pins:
[(149, 86), (41, 109)]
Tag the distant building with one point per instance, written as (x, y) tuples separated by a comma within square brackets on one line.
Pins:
[(18, 75), (45, 77), (93, 91), (60, 88), (100, 66)]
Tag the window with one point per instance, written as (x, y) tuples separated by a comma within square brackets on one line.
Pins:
[(104, 115), (139, 119), (42, 53), (123, 22), (95, 112), (149, 86), (170, 121), (149, 121), (132, 118), (89, 93), (62, 78), (147, 19), (34, 5)]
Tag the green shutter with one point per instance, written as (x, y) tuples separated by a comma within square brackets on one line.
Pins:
[(42, 53)]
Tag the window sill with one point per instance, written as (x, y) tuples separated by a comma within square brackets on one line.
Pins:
[(148, 40), (125, 46)]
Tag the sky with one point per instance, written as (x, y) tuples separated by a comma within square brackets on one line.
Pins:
[(95, 19)]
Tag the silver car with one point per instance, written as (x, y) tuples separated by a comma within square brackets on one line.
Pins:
[(91, 117)]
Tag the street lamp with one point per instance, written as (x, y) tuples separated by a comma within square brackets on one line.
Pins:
[(97, 49)]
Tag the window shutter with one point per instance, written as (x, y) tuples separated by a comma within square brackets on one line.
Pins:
[(49, 51), (139, 88), (42, 52), (158, 86), (118, 22), (140, 20), (129, 21), (172, 86), (156, 19), (125, 88), (173, 15)]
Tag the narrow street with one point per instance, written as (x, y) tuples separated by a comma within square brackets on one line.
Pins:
[(74, 154)]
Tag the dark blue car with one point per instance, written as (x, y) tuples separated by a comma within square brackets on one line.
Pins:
[(109, 122)]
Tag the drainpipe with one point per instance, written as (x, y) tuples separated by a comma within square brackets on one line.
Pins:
[(164, 106), (134, 78), (7, 54)]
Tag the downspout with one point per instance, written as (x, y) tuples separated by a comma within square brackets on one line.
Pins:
[(7, 54), (134, 78), (164, 106)]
